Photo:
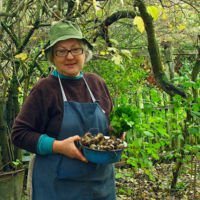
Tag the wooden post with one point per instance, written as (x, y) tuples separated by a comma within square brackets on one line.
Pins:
[(168, 53)]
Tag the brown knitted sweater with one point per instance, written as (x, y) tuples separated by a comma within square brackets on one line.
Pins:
[(42, 111)]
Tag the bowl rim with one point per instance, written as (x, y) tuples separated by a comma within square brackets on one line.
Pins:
[(106, 137)]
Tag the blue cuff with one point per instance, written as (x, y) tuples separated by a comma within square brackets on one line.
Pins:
[(45, 145)]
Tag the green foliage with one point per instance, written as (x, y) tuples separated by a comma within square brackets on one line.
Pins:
[(124, 117), (126, 78), (139, 155), (17, 162)]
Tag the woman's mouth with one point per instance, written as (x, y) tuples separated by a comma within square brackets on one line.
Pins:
[(70, 65)]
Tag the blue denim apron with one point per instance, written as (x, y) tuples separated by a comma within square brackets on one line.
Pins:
[(58, 177)]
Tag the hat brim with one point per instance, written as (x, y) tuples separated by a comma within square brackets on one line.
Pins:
[(66, 37)]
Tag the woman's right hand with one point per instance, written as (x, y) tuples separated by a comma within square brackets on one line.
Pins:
[(68, 148)]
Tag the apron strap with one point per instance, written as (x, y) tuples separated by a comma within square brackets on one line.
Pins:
[(63, 93), (93, 99), (61, 87)]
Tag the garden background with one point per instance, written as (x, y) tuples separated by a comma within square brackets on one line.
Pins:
[(147, 51)]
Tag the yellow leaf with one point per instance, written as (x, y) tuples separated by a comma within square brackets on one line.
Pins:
[(43, 51), (103, 53), (165, 17), (163, 12), (95, 5), (170, 26), (19, 88), (22, 56), (0, 43), (31, 26), (34, 38), (153, 11), (182, 27), (139, 22)]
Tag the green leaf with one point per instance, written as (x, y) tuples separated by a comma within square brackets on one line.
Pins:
[(149, 174), (15, 163), (122, 191), (156, 145), (195, 107), (155, 155), (195, 86), (181, 137), (127, 174), (194, 130), (163, 131), (114, 41), (130, 123), (187, 84), (134, 164), (154, 96), (147, 133), (137, 143), (129, 191), (198, 147), (195, 114), (119, 175)]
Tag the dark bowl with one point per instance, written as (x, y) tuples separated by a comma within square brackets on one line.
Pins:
[(103, 156)]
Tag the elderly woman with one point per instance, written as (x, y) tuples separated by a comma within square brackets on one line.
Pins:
[(57, 113)]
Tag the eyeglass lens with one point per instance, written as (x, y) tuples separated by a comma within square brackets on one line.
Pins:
[(65, 52)]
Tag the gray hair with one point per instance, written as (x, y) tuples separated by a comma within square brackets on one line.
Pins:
[(86, 49)]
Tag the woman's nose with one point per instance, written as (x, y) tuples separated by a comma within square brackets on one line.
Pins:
[(70, 56)]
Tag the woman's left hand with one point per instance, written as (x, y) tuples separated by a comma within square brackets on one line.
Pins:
[(67, 147), (122, 135)]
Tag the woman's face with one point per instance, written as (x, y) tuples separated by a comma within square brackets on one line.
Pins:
[(68, 65)]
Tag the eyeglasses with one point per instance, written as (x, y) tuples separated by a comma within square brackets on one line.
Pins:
[(64, 52)]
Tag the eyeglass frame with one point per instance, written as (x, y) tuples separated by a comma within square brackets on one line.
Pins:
[(69, 51)]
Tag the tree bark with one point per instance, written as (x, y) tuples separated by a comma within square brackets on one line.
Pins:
[(3, 141), (103, 27), (195, 72), (154, 53)]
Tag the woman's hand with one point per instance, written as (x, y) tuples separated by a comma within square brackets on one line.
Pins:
[(122, 135), (68, 148)]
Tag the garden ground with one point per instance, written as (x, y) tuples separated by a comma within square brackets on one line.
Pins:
[(136, 185)]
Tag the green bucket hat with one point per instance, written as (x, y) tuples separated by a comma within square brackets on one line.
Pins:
[(63, 30)]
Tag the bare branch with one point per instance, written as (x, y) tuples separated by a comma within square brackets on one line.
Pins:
[(103, 27), (15, 13), (190, 4)]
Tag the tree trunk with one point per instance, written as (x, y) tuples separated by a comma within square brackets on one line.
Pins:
[(3, 141), (17, 151), (195, 72), (154, 53)]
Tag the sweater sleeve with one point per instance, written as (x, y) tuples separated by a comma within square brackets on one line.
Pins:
[(32, 120)]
